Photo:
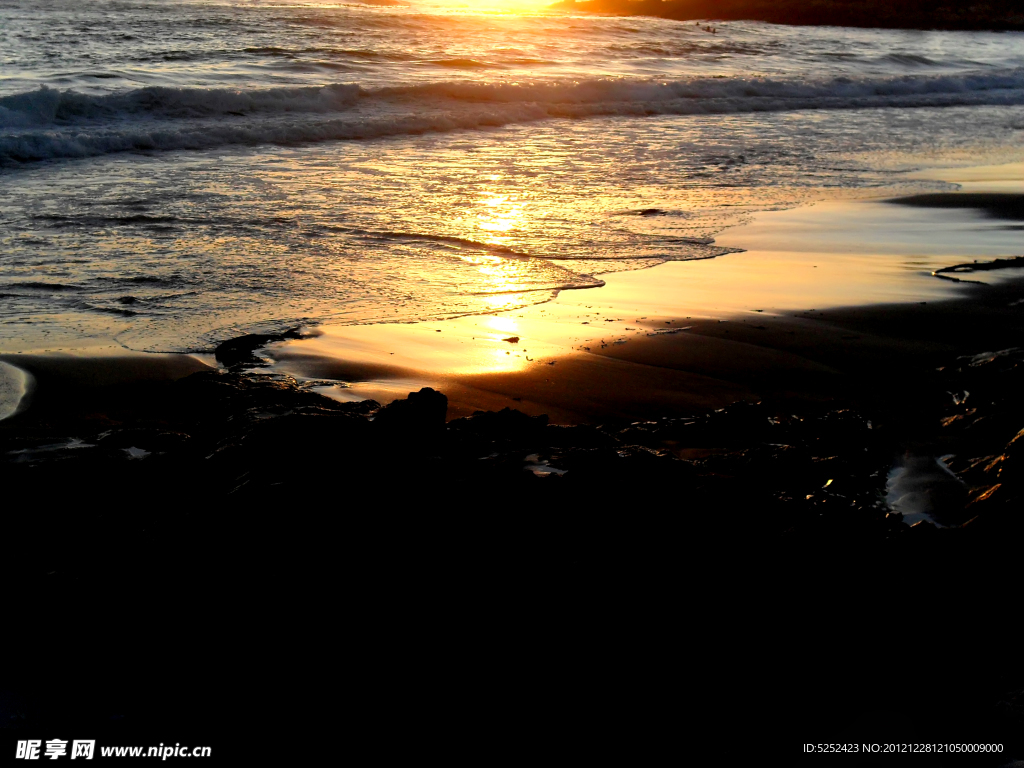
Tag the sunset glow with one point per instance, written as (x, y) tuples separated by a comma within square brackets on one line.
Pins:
[(501, 6)]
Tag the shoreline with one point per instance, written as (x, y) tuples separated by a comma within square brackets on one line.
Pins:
[(693, 335), (757, 322), (688, 366)]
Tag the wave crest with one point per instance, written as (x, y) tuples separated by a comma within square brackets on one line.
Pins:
[(48, 106), (49, 123)]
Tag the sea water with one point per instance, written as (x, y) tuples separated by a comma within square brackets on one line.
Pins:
[(174, 173)]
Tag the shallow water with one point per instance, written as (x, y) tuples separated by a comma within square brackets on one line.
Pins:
[(174, 174)]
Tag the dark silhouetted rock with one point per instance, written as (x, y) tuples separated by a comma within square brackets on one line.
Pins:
[(239, 352), (506, 427), (422, 414)]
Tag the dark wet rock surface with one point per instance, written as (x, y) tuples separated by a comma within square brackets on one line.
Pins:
[(240, 352), (984, 266), (1001, 205), (265, 512)]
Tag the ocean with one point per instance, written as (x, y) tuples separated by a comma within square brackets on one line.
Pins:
[(176, 173)]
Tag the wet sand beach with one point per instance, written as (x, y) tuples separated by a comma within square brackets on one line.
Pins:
[(823, 300)]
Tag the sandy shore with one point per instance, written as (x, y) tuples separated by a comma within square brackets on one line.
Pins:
[(832, 301), (825, 302)]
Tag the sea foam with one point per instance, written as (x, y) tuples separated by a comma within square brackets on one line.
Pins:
[(47, 123)]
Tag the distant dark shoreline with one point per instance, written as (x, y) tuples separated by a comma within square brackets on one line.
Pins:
[(998, 15)]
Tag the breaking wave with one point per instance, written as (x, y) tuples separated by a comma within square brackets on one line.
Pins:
[(49, 123), (52, 107)]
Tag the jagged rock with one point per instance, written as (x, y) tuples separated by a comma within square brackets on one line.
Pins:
[(578, 436), (819, 473), (507, 426), (422, 414), (923, 528)]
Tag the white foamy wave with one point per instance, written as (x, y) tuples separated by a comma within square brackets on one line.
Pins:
[(46, 123), (716, 88), (154, 136), (48, 106)]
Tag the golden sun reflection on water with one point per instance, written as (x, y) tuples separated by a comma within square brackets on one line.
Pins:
[(463, 346), (504, 213), (500, 324), (511, 7)]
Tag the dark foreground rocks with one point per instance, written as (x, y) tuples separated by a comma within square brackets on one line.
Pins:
[(251, 544)]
